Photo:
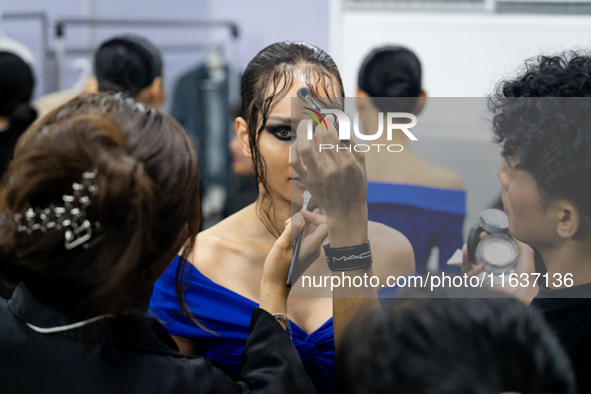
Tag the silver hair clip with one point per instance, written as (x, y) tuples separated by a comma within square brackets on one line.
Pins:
[(70, 218)]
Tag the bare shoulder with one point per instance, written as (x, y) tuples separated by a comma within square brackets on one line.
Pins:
[(392, 251), (444, 177), (217, 245), (232, 255)]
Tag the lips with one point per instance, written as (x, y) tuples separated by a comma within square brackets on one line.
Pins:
[(298, 183)]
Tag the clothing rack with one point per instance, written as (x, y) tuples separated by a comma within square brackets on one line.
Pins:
[(163, 48), (61, 25)]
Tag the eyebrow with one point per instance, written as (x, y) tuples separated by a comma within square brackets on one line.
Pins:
[(279, 119)]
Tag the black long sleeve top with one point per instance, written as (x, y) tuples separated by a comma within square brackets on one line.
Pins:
[(132, 354)]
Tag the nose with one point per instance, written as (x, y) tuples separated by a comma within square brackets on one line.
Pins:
[(503, 176)]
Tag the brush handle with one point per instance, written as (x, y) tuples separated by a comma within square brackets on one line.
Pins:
[(296, 247), (294, 259)]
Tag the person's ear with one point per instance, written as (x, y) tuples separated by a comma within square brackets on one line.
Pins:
[(360, 92), (570, 219), (362, 99), (420, 105), (242, 136), (157, 92), (153, 95)]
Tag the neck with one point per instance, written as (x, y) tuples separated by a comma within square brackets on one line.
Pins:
[(572, 257), (272, 214)]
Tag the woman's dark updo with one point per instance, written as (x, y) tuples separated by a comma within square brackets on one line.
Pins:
[(127, 63), (391, 71), (16, 88)]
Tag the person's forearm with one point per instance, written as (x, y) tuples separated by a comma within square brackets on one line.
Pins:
[(346, 231)]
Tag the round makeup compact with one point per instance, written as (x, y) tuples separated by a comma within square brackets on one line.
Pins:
[(497, 251)]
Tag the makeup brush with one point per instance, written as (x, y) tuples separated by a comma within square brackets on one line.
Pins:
[(306, 95), (296, 248)]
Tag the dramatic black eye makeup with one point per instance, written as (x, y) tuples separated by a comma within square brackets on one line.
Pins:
[(281, 131)]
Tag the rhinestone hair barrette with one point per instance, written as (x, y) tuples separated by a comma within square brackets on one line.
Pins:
[(69, 218)]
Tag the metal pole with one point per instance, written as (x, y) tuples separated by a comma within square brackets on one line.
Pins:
[(60, 53)]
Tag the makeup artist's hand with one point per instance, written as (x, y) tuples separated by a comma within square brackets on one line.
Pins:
[(336, 179), (274, 292), (315, 233), (469, 267), (525, 289)]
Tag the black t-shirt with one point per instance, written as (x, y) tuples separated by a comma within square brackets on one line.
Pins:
[(568, 313)]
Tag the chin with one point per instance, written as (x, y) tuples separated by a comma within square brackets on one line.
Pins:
[(519, 237), (297, 201)]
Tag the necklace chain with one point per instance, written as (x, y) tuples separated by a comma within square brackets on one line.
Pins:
[(67, 327)]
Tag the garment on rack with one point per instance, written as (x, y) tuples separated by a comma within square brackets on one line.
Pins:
[(200, 102), (427, 216), (227, 315)]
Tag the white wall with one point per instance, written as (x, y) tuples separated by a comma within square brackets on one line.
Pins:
[(463, 55)]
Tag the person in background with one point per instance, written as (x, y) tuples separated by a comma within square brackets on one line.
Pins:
[(16, 114), (126, 63), (102, 194), (243, 186), (424, 201), (131, 64), (453, 340)]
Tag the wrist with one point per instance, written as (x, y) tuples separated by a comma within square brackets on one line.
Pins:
[(352, 212), (347, 230), (348, 258), (273, 297)]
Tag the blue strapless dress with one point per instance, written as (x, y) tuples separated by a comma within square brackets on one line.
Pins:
[(228, 314), (427, 216)]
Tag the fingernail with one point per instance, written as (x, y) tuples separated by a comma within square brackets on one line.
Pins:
[(287, 222)]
